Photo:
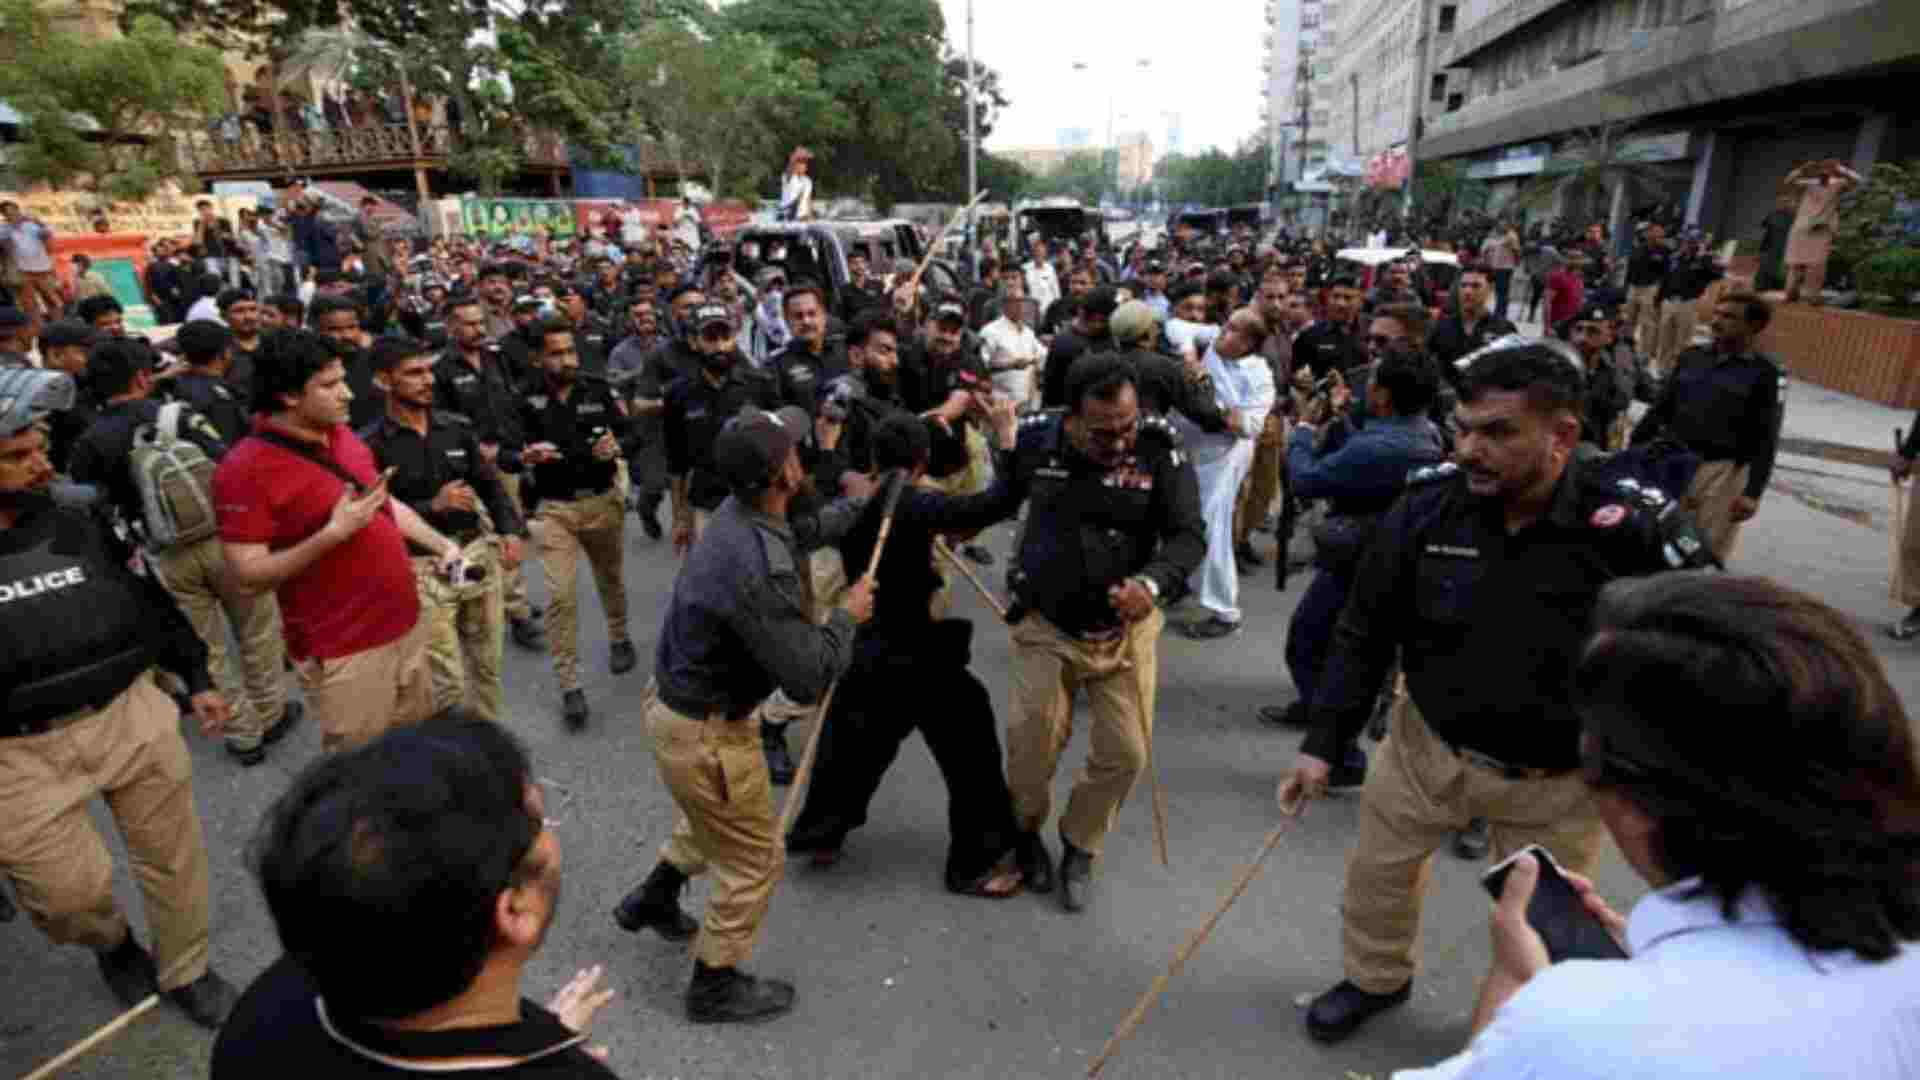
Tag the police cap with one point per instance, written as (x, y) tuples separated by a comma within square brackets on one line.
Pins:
[(28, 394)]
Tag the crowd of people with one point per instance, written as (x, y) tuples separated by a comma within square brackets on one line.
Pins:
[(1507, 566)]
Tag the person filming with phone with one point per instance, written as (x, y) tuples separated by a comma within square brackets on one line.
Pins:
[(304, 512), (1743, 746)]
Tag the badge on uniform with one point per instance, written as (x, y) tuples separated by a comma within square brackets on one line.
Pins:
[(1608, 516)]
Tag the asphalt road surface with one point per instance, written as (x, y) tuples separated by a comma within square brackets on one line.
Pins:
[(896, 977)]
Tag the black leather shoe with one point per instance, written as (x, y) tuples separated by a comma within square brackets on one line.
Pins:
[(1472, 842), (528, 635), (730, 996), (621, 658), (1035, 861), (129, 972), (206, 1000), (1340, 1011), (290, 716), (573, 709), (1076, 876), (649, 511), (654, 905), (1246, 554), (773, 740)]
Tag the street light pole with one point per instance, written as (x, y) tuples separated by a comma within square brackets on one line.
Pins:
[(973, 140)]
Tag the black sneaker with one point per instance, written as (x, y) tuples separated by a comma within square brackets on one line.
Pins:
[(621, 658), (1340, 1011), (1472, 842), (1907, 628), (573, 709), (248, 757), (1030, 854), (206, 1000), (649, 511), (731, 996), (654, 904), (129, 972)]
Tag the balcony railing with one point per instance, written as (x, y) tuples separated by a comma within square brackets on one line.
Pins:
[(347, 149)]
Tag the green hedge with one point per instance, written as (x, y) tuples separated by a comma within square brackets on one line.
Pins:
[(1894, 272)]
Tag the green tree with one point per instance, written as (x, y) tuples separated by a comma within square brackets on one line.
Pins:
[(1006, 178), (1084, 175), (105, 113), (883, 62), (1215, 177), (1870, 215), (722, 100)]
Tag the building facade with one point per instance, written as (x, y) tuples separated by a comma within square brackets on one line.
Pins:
[(1717, 100), (1294, 116)]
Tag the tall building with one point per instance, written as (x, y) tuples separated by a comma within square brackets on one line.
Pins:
[(1297, 40), (1716, 100), (1370, 88)]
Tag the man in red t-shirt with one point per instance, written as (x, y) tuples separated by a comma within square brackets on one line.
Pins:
[(334, 552)]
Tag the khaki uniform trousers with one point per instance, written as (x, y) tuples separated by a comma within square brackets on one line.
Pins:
[(356, 698), (1417, 794), (1120, 679), (595, 526), (1677, 318), (196, 575), (132, 755), (517, 604), (718, 776), (1642, 316), (466, 629), (1262, 484), (1710, 501), (1909, 576)]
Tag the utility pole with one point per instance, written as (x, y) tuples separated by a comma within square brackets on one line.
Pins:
[(1414, 126), (973, 145)]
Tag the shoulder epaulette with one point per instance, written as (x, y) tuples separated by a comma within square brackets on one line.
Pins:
[(451, 417), (1428, 474), (1639, 495)]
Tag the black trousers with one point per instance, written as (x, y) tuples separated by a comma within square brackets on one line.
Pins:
[(899, 685)]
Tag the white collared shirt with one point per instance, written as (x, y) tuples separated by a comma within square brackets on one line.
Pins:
[(1245, 384), (1004, 341), (1703, 999), (1043, 284)]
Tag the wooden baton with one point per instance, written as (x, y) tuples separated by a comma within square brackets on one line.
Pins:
[(1194, 941), (940, 548), (107, 1031)]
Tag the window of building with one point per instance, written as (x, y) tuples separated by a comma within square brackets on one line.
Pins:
[(1438, 91), (1444, 25)]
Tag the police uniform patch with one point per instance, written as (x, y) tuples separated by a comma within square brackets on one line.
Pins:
[(1427, 474), (1608, 516)]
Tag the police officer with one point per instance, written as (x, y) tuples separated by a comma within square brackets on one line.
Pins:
[(695, 409), (1112, 534), (628, 369), (1335, 343), (1725, 403), (440, 472), (1603, 412), (736, 628), (207, 347), (593, 336), (80, 715), (121, 372), (813, 358), (1471, 327), (574, 428), (1481, 579), (473, 378), (64, 345)]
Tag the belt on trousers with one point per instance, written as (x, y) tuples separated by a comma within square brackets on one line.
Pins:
[(1495, 765), (702, 710)]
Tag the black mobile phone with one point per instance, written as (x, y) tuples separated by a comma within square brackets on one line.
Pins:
[(1564, 923)]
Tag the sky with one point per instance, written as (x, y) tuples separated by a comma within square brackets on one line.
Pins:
[(1204, 64)]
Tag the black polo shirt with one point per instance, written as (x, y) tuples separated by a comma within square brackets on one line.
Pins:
[(569, 424), (696, 410), (280, 1027), (423, 464), (216, 399)]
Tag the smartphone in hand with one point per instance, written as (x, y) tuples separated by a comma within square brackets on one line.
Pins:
[(1566, 926)]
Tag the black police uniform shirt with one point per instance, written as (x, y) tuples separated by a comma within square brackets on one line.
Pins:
[(1487, 624), (103, 456), (1068, 346), (1648, 265), (82, 625), (803, 374), (696, 409), (926, 382), (64, 429), (213, 398), (594, 340), (1089, 527), (1327, 347), (571, 424), (1724, 408), (239, 375), (449, 451), (486, 396), (1450, 340), (369, 401), (1689, 277)]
